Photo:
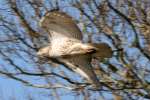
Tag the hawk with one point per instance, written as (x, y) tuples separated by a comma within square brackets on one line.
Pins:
[(66, 45)]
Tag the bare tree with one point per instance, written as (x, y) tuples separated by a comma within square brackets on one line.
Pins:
[(122, 24)]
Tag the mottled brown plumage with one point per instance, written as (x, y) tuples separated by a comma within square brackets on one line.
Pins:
[(66, 45)]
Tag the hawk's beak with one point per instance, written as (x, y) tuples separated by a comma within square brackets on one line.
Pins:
[(43, 51)]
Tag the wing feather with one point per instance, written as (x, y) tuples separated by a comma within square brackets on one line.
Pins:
[(61, 24), (81, 64)]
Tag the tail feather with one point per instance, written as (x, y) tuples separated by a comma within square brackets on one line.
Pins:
[(103, 51)]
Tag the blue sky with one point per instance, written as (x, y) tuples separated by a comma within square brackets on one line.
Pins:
[(10, 88)]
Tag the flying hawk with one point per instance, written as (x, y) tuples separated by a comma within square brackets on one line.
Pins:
[(67, 47)]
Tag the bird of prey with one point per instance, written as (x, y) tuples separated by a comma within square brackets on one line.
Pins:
[(67, 47)]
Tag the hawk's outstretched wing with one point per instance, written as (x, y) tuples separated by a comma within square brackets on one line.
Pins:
[(81, 64), (61, 24)]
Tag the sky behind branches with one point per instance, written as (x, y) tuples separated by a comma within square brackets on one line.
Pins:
[(24, 55), (11, 89)]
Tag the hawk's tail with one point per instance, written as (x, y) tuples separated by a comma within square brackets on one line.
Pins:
[(103, 51)]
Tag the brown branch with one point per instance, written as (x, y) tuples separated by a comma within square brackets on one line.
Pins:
[(23, 21), (37, 74), (18, 37), (137, 44), (9, 40)]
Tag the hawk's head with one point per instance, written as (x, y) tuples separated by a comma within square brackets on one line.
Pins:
[(43, 51)]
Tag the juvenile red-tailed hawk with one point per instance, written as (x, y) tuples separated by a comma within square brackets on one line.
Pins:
[(66, 45)]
